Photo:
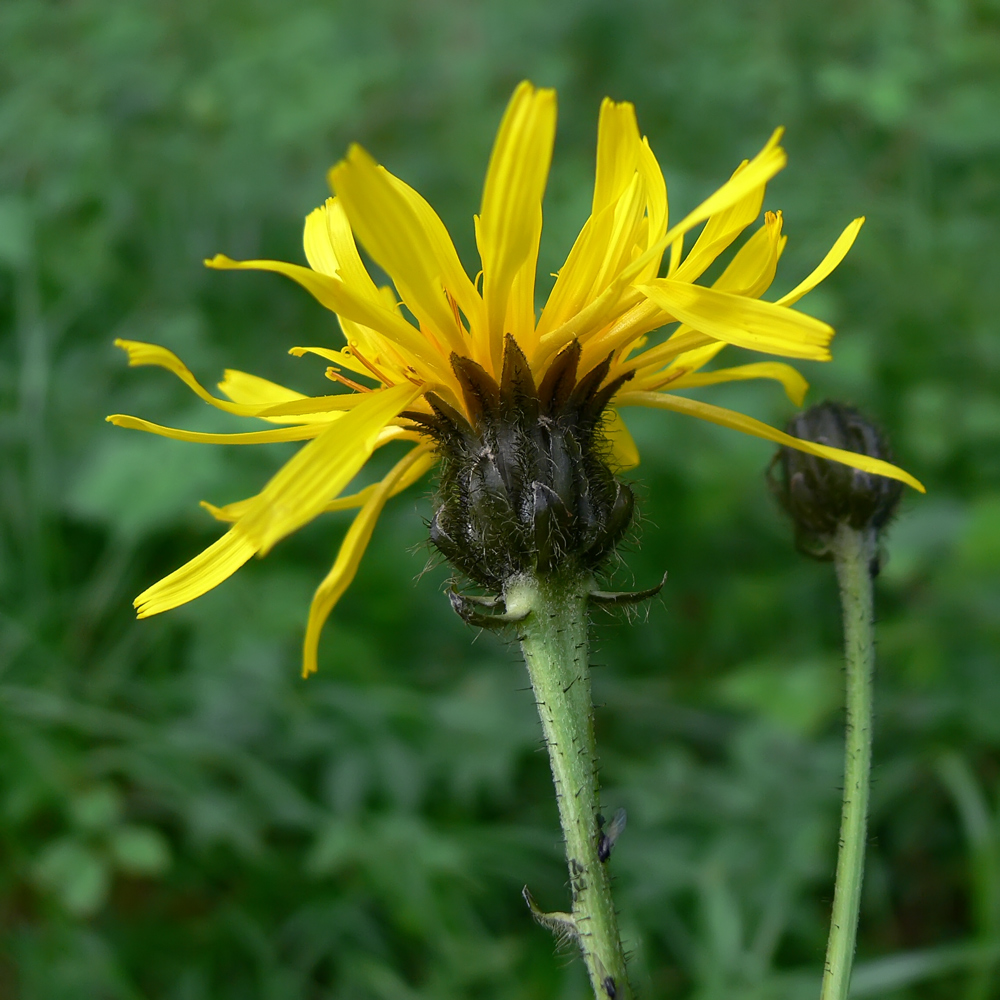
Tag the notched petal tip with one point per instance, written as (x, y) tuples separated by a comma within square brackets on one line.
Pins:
[(134, 349), (221, 262), (796, 386), (356, 156)]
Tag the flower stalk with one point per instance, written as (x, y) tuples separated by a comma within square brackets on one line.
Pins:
[(838, 514), (554, 640), (854, 553)]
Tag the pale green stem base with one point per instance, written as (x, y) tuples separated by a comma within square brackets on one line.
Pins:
[(853, 553), (555, 644)]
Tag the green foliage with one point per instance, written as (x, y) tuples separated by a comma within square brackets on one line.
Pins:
[(182, 817)]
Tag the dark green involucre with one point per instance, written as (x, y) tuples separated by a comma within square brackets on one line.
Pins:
[(526, 486), (820, 495)]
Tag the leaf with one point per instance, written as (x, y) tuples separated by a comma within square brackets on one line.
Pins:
[(140, 850), (77, 876)]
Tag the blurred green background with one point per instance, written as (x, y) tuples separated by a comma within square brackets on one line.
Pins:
[(182, 817)]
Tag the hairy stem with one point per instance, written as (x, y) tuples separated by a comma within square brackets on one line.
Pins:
[(854, 552), (554, 640)]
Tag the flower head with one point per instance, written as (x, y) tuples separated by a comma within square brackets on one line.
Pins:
[(413, 351), (818, 495)]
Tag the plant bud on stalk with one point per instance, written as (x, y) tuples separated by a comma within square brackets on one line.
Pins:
[(820, 495), (838, 513)]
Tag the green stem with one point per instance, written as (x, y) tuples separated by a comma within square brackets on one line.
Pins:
[(554, 641), (853, 553)]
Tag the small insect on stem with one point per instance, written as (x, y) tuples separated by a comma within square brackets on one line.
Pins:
[(610, 988), (606, 838)]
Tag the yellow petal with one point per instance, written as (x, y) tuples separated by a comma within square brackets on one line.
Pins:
[(349, 557), (140, 354), (345, 300), (618, 147), (694, 358), (656, 206), (451, 269), (590, 283), (337, 357), (229, 512), (649, 376), (654, 358), (750, 323), (624, 453), (318, 408), (751, 271), (743, 184), (297, 433), (234, 511), (721, 229), (207, 570), (520, 319), (318, 246), (295, 495), (330, 248), (377, 355), (827, 265), (413, 473), (242, 387), (615, 301), (310, 405), (320, 470), (619, 153), (676, 252), (396, 237), (623, 236), (510, 215), (343, 359), (327, 290), (740, 422), (575, 277), (795, 385), (628, 333)]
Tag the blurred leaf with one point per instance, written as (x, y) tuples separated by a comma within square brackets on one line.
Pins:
[(883, 976), (979, 546), (15, 232), (140, 850), (798, 696), (922, 539), (96, 809), (136, 483), (74, 874)]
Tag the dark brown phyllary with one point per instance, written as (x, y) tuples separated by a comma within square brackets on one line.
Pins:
[(526, 487)]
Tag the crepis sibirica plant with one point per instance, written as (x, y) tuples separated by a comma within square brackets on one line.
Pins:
[(518, 407), (839, 513)]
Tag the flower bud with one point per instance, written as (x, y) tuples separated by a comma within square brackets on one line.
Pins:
[(525, 485), (820, 494)]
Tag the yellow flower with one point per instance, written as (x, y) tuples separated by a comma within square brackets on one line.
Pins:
[(608, 299)]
